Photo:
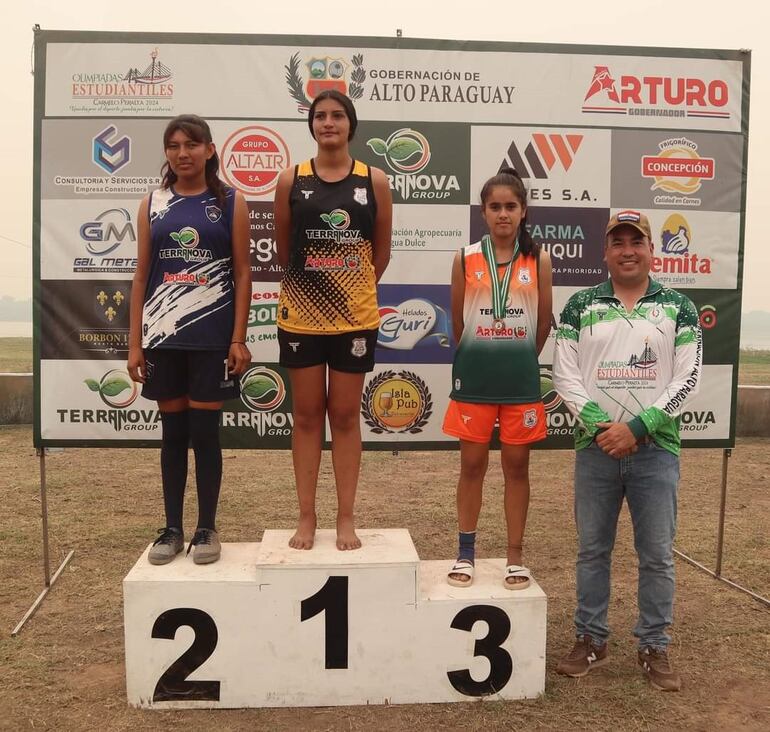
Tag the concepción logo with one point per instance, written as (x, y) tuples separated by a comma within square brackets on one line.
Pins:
[(109, 153), (655, 96), (542, 153), (678, 169), (323, 73)]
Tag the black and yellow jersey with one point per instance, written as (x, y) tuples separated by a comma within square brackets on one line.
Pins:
[(329, 285)]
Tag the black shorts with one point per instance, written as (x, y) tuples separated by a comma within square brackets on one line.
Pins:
[(200, 375), (351, 352)]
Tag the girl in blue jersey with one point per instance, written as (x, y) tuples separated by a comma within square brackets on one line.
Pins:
[(501, 316), (333, 222), (189, 308)]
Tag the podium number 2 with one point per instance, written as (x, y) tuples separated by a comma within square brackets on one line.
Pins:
[(173, 684), (333, 599), (500, 662)]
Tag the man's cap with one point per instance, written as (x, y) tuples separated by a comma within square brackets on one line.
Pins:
[(633, 218)]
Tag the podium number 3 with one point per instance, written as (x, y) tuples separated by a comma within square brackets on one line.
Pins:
[(500, 662), (333, 599), (173, 684)]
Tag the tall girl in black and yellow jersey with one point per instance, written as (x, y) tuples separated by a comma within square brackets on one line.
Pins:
[(333, 224)]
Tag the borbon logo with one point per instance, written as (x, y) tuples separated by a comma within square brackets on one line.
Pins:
[(262, 389), (678, 169), (396, 402), (252, 158), (324, 72), (115, 388), (542, 153), (109, 153), (655, 96)]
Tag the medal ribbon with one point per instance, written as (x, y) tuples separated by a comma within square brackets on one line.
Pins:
[(500, 287)]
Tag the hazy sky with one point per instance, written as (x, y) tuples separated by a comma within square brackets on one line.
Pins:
[(686, 24)]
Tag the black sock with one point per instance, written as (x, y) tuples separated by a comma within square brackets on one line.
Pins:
[(204, 431), (173, 464)]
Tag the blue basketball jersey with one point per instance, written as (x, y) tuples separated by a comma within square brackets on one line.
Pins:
[(188, 303)]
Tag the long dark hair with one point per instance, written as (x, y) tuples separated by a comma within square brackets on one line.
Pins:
[(196, 128), (342, 100), (510, 178)]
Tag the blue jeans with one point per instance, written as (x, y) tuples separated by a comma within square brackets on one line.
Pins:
[(648, 479)]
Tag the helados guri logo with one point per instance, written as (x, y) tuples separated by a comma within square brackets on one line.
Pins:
[(118, 393), (324, 72), (407, 154), (396, 402), (263, 391), (411, 323)]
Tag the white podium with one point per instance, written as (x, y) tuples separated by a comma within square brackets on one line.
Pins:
[(270, 626)]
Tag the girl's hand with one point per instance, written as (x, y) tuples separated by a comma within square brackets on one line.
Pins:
[(238, 359), (136, 365)]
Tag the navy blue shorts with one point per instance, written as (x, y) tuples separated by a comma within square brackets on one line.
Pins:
[(351, 352), (200, 375)]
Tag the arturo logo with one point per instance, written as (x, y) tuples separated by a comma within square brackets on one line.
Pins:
[(396, 402), (252, 158), (324, 73), (655, 96), (541, 154)]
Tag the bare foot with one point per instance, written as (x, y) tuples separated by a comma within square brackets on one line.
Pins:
[(514, 557), (346, 534), (304, 536)]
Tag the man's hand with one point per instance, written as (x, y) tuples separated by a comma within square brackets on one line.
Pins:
[(616, 439)]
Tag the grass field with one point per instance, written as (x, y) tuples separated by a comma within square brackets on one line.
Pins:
[(65, 671), (16, 357)]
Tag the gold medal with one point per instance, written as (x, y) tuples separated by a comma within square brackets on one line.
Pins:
[(499, 325)]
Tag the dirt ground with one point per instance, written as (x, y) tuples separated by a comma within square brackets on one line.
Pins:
[(65, 670)]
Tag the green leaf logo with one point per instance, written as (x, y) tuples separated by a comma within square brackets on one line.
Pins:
[(259, 386), (402, 148), (92, 384), (379, 147), (114, 386), (326, 218), (175, 236), (336, 218)]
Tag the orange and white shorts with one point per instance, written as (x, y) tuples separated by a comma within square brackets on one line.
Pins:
[(520, 424)]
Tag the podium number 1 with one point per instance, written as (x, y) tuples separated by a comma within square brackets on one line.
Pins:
[(333, 599)]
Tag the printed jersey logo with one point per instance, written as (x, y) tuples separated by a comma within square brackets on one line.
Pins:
[(109, 153), (541, 154), (187, 237), (359, 196), (529, 418), (213, 213), (338, 219), (324, 73), (358, 347)]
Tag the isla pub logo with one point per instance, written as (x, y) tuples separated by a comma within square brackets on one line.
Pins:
[(109, 153), (324, 72), (656, 96), (541, 153)]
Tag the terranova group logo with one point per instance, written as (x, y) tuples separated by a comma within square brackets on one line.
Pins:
[(416, 170), (263, 391), (339, 219), (396, 402), (109, 152), (559, 420), (678, 170), (115, 388), (324, 72), (187, 237), (252, 158)]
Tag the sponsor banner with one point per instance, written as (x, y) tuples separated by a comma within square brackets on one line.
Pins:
[(450, 84), (102, 79), (94, 400), (560, 297), (263, 250), (720, 320), (417, 228), (707, 417), (574, 237), (252, 154), (405, 404), (697, 249), (113, 158), (262, 416), (416, 268), (84, 319), (415, 324), (559, 166), (424, 163), (89, 239), (262, 333), (688, 171)]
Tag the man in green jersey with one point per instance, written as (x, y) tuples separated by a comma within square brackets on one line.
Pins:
[(628, 358)]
